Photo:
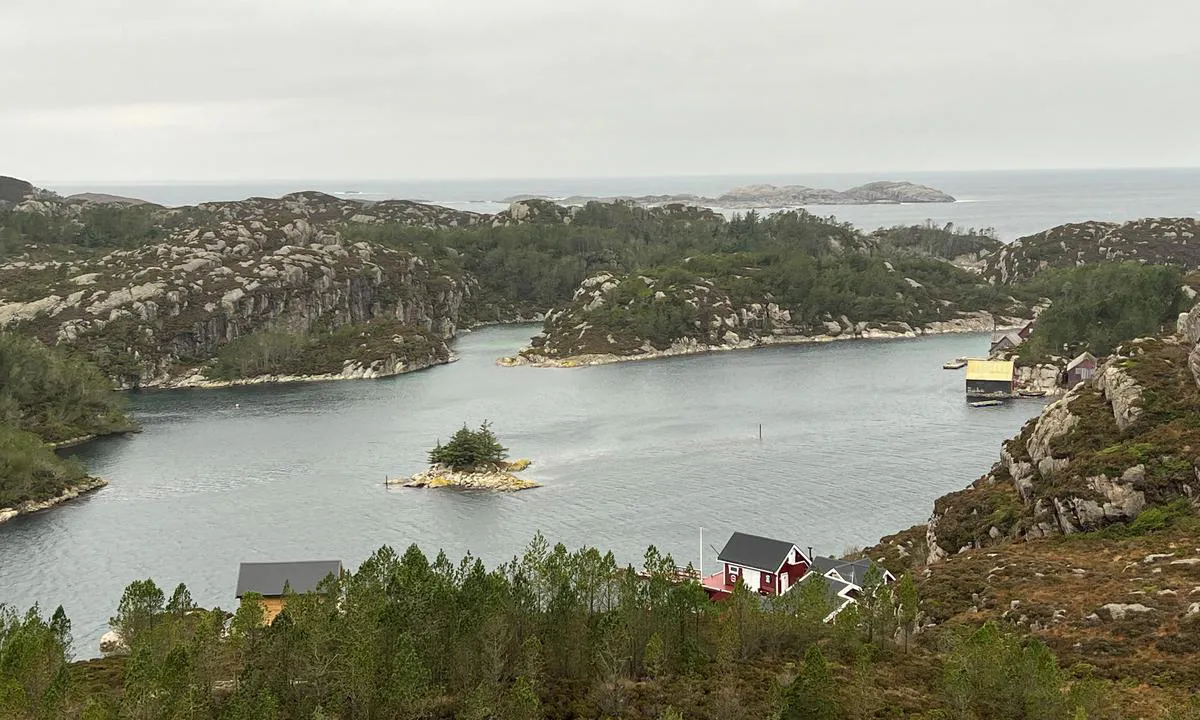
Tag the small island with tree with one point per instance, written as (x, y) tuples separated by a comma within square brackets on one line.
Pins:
[(474, 460)]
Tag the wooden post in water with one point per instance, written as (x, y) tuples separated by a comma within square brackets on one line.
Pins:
[(760, 431)]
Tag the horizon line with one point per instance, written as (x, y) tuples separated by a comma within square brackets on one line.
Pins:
[(543, 178)]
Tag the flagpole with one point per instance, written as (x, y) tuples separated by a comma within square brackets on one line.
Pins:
[(701, 554)]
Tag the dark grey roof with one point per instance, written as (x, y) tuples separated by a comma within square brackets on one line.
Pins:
[(1013, 338), (835, 590), (825, 564), (854, 572), (268, 578), (755, 552)]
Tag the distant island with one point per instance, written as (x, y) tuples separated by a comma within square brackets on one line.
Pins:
[(771, 196)]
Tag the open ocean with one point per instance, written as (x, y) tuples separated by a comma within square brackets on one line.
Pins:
[(1014, 203)]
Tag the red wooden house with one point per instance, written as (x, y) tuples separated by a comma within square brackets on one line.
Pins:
[(771, 567)]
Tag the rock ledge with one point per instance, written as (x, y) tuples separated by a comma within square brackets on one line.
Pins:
[(85, 486), (499, 478)]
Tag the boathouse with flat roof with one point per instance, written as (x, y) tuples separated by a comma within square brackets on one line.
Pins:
[(990, 378), (270, 579)]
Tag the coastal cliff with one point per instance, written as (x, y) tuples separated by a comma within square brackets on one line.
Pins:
[(154, 314)]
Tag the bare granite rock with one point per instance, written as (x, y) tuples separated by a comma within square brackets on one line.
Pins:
[(498, 478)]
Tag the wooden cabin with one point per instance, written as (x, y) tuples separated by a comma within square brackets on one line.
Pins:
[(988, 379), (1080, 369), (769, 567), (269, 579), (1005, 342)]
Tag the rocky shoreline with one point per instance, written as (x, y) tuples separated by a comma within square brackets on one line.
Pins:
[(31, 506), (690, 346), (352, 371), (499, 478)]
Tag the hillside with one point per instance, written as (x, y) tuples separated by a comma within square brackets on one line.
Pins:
[(747, 300), (152, 312), (47, 399), (1085, 534), (1157, 241), (964, 247)]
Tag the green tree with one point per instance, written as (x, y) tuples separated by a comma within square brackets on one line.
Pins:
[(470, 449), (181, 601), (654, 659), (812, 695), (522, 702), (140, 609), (877, 606), (34, 674), (992, 675)]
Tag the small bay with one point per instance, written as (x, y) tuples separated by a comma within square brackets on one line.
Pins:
[(858, 439)]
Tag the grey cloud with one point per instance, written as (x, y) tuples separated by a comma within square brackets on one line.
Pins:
[(229, 89)]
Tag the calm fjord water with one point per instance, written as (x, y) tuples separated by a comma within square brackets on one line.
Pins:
[(858, 439)]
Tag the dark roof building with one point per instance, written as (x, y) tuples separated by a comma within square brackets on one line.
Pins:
[(269, 578), (853, 572), (761, 564), (755, 552), (840, 594)]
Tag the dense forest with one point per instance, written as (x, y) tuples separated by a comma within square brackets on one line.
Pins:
[(819, 265), (552, 634), (1098, 307), (47, 397)]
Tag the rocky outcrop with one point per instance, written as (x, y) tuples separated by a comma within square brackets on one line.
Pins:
[(1121, 391), (86, 486), (1042, 378), (1056, 422), (1157, 241), (112, 644), (497, 478), (771, 196), (1117, 500), (14, 190)]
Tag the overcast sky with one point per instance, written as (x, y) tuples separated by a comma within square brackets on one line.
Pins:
[(157, 90)]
